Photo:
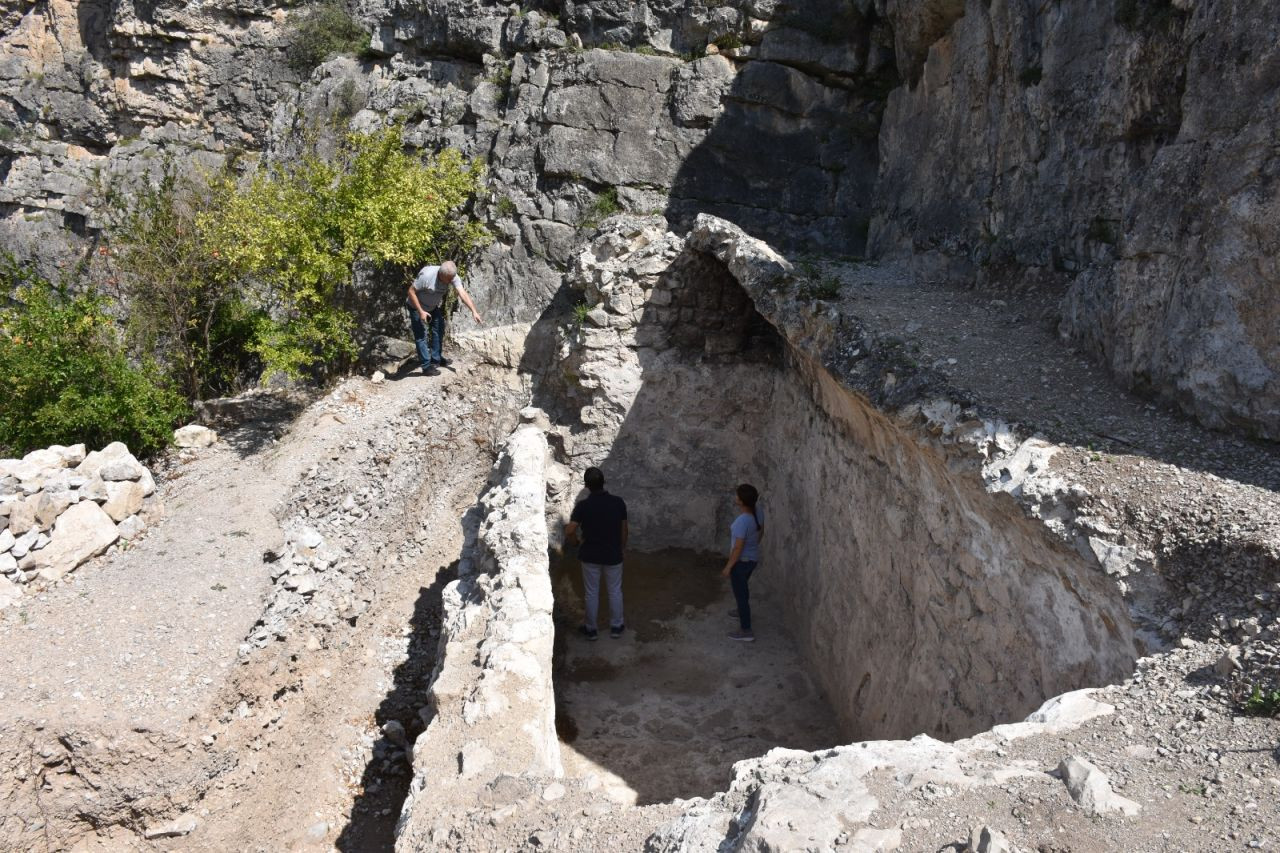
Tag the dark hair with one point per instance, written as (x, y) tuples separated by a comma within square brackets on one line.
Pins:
[(594, 478), (748, 495)]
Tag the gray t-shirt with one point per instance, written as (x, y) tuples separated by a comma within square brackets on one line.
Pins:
[(744, 528), (430, 291)]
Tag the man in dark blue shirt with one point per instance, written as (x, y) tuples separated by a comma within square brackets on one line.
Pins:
[(602, 518)]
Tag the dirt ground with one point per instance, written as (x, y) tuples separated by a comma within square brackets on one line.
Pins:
[(665, 710)]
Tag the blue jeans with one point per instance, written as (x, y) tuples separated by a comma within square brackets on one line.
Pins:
[(591, 592), (738, 577), (428, 351)]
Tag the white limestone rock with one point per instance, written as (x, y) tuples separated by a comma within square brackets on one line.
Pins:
[(124, 498), (6, 540), (81, 532), (1091, 788), (194, 435), (10, 593)]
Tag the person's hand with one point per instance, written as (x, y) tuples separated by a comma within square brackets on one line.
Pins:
[(725, 572), (424, 315), (479, 319)]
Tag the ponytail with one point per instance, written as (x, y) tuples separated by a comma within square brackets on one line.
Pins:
[(748, 494)]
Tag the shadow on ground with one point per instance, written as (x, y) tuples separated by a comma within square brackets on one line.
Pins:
[(385, 781)]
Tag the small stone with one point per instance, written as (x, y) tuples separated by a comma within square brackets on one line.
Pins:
[(554, 791), (122, 469), (984, 839), (24, 543), (8, 564), (378, 377), (394, 731), (184, 825), (131, 528), (1229, 662), (6, 540)]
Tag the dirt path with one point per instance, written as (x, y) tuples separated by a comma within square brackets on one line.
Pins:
[(186, 681)]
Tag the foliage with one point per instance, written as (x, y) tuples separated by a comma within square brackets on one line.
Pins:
[(605, 205), (186, 305), (728, 41), (321, 32), (67, 377), (505, 207), (580, 312), (299, 228), (1262, 702)]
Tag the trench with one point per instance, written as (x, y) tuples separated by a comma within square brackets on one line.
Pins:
[(896, 596)]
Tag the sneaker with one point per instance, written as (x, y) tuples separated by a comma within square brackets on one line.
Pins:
[(444, 362), (430, 370), (588, 633), (733, 614), (743, 636), (616, 631)]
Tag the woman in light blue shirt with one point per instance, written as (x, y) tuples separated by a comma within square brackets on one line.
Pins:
[(744, 555)]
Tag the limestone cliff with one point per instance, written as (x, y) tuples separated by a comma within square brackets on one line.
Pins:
[(1115, 154)]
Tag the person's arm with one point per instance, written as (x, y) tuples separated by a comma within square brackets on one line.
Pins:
[(417, 306), (571, 532), (466, 300), (738, 545)]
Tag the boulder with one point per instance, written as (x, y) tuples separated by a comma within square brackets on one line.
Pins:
[(81, 532), (22, 515), (10, 593), (94, 490), (194, 435), (118, 470), (124, 498), (51, 504), (1091, 788), (6, 540)]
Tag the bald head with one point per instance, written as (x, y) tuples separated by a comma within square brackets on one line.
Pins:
[(448, 270)]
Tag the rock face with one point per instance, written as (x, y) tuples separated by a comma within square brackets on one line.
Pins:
[(1115, 156)]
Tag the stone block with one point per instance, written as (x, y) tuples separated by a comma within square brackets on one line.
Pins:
[(194, 435), (124, 498), (83, 531)]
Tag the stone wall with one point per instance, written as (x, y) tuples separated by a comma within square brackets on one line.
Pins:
[(906, 566), (492, 705)]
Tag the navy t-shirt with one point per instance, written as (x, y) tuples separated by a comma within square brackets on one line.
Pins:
[(600, 515)]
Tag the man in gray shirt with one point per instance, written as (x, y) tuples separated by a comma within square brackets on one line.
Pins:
[(426, 308)]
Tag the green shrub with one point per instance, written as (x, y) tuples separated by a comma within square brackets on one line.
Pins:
[(825, 290), (67, 377), (728, 41), (187, 307), (605, 205), (321, 32), (297, 229)]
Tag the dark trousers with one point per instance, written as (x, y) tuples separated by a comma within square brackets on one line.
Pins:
[(429, 350), (738, 577)]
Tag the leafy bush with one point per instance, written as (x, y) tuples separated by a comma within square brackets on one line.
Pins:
[(298, 229), (323, 31), (186, 306), (67, 377)]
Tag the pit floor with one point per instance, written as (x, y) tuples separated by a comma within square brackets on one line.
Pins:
[(665, 711)]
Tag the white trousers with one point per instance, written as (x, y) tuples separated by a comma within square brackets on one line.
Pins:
[(591, 589)]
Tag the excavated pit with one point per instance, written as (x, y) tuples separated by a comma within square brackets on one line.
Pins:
[(898, 594), (665, 710)]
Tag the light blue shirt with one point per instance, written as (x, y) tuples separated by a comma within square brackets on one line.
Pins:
[(744, 528)]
